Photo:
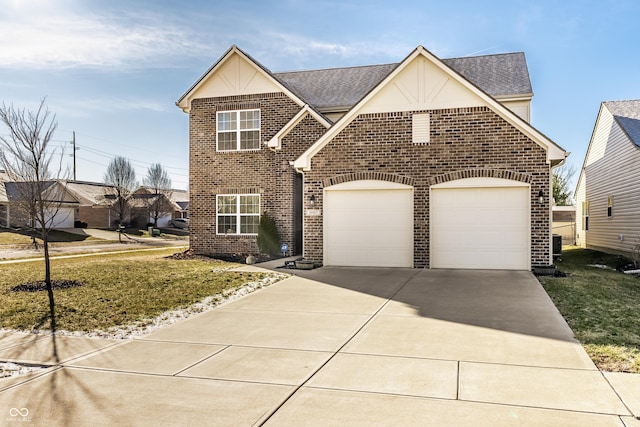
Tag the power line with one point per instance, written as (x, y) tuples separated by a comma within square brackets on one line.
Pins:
[(106, 154)]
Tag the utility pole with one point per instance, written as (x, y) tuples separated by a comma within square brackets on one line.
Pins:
[(74, 155)]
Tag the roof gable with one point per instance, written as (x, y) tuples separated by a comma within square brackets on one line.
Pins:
[(422, 81), (236, 73), (422, 85), (627, 114)]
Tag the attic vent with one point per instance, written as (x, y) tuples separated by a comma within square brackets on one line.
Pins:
[(421, 128)]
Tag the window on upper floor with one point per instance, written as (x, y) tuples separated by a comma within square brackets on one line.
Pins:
[(610, 206), (238, 130), (585, 216), (237, 213)]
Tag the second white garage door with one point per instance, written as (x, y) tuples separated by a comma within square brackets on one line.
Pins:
[(369, 224), (480, 223)]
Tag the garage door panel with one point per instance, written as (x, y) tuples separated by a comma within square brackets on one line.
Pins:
[(372, 227), (60, 218), (480, 227)]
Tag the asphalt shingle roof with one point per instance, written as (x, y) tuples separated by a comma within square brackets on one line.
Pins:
[(627, 114), (498, 75)]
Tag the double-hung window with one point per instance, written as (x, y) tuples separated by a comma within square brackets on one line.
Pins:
[(585, 216), (238, 213), (238, 130)]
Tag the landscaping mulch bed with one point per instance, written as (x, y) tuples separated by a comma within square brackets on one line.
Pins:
[(41, 285), (236, 258)]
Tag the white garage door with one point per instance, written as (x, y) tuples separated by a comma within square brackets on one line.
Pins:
[(481, 223), (368, 223), (62, 218)]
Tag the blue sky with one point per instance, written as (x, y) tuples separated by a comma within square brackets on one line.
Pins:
[(111, 70)]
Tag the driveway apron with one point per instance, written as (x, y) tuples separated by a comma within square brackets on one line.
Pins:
[(337, 346)]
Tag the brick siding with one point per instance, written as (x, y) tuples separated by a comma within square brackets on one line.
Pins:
[(263, 171), (465, 142)]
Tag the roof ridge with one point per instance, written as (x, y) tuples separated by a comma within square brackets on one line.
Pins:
[(391, 63), (621, 100), (337, 68), (484, 56)]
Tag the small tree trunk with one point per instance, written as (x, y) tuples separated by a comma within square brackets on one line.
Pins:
[(47, 280)]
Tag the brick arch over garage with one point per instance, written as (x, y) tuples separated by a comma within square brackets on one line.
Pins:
[(481, 173), (367, 176)]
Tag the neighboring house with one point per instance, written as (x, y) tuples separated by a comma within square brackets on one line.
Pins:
[(177, 205), (564, 223), (181, 199), (89, 203), (61, 204), (4, 201), (94, 206), (425, 163), (608, 189)]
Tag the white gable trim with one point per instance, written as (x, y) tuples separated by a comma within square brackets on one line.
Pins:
[(185, 100), (554, 152), (276, 142), (586, 156)]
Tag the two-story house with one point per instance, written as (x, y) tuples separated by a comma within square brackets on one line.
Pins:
[(423, 163)]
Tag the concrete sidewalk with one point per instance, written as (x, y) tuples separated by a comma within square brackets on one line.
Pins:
[(108, 243), (341, 347)]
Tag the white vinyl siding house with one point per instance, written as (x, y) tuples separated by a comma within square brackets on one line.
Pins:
[(610, 180)]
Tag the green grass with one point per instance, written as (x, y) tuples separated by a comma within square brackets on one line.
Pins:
[(118, 289), (602, 307)]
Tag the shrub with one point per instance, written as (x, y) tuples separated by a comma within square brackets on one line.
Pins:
[(268, 236)]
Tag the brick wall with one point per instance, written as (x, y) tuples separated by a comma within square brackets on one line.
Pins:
[(263, 171), (465, 142), (95, 216)]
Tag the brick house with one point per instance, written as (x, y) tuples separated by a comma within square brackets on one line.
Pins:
[(427, 163)]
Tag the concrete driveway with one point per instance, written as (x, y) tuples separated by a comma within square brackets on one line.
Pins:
[(339, 346)]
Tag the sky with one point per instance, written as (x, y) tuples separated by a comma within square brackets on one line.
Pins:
[(112, 70)]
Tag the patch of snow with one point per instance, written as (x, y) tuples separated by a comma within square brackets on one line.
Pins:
[(601, 266), (147, 326), (10, 369)]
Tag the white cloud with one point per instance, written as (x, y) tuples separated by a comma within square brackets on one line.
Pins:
[(87, 107), (279, 49), (62, 40)]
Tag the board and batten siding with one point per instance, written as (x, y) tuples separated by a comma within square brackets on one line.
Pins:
[(611, 169)]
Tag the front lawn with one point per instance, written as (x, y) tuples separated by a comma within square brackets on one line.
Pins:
[(22, 236), (117, 289), (601, 305)]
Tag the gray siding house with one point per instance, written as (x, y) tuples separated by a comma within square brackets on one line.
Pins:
[(608, 189)]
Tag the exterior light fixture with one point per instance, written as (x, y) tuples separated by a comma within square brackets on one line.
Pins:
[(541, 196), (312, 200)]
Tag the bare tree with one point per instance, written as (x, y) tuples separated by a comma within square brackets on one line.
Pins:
[(561, 181), (28, 159), (158, 184), (121, 177)]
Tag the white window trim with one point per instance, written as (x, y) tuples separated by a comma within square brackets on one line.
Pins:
[(238, 215), (238, 131)]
